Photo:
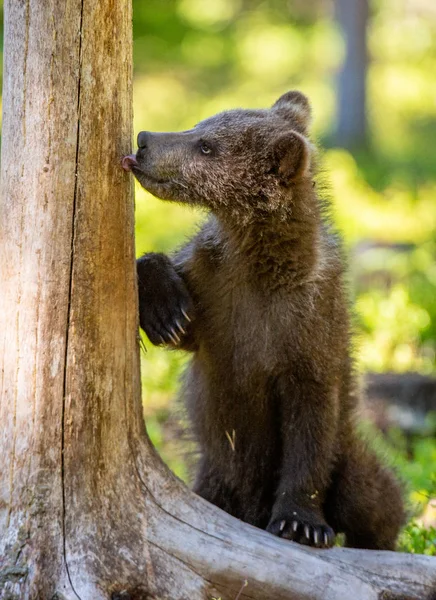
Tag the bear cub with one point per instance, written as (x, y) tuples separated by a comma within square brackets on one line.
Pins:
[(257, 297)]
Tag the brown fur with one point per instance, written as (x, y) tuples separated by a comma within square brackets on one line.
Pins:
[(270, 389)]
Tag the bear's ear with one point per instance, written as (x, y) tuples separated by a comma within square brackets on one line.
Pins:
[(292, 156), (294, 107)]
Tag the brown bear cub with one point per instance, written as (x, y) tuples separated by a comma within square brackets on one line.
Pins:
[(258, 298)]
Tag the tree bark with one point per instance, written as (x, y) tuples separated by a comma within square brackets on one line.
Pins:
[(351, 120), (87, 509)]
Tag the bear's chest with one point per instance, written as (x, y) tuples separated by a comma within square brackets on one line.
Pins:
[(243, 329)]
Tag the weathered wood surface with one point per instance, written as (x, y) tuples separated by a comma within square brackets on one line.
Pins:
[(87, 509)]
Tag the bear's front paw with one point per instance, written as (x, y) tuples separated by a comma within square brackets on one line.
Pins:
[(169, 325), (304, 527), (165, 305)]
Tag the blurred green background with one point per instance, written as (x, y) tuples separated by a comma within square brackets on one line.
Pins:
[(193, 58)]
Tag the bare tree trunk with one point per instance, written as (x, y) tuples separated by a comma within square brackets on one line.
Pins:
[(87, 509), (351, 121)]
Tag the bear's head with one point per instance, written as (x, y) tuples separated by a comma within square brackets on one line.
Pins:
[(238, 161)]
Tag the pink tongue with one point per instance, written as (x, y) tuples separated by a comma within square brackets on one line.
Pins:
[(129, 161)]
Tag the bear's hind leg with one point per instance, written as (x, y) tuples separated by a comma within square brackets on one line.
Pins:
[(240, 499), (212, 487), (365, 500)]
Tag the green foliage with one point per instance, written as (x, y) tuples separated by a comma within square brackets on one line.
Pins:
[(414, 462), (419, 535), (418, 539)]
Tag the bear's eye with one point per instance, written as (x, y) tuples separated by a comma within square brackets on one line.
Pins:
[(205, 148)]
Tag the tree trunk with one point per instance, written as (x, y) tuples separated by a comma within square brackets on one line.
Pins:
[(87, 508), (351, 121)]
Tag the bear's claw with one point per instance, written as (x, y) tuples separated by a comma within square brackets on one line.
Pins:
[(164, 301), (319, 535)]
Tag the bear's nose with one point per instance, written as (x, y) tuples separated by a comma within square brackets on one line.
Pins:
[(143, 138)]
